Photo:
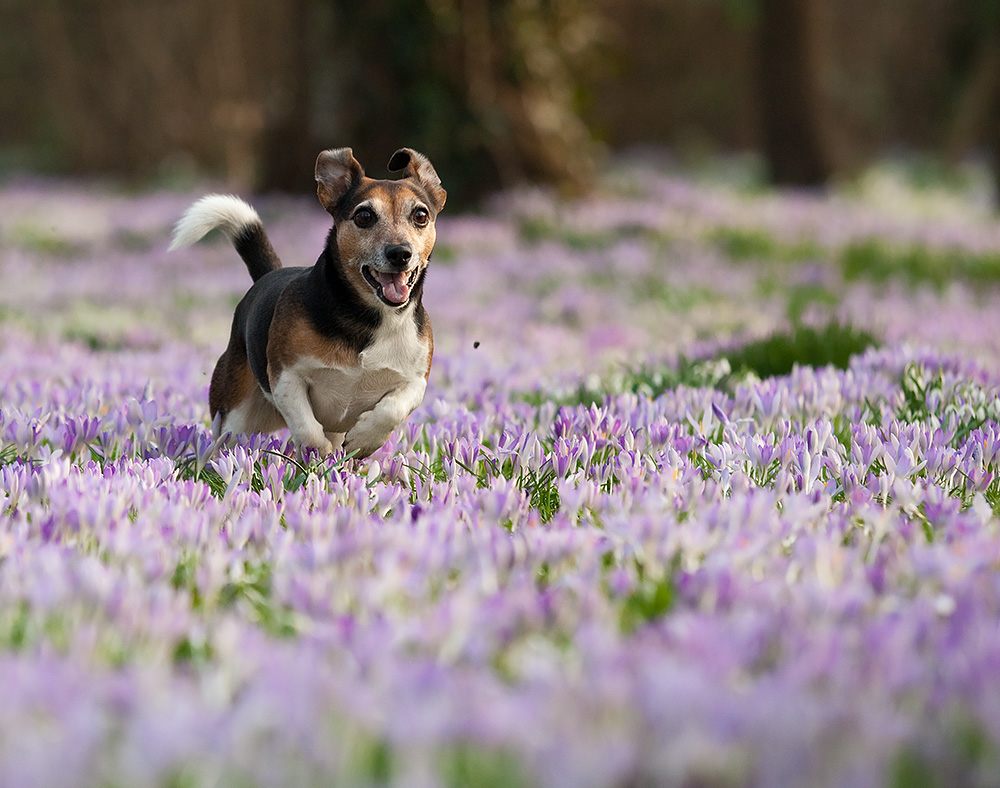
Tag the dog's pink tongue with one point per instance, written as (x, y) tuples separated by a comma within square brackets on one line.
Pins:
[(394, 286)]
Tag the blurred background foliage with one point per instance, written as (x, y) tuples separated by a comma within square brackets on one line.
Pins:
[(496, 92)]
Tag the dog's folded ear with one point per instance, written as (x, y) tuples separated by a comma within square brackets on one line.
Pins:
[(417, 166), (337, 171)]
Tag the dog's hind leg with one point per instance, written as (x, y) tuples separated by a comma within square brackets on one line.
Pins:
[(238, 405), (254, 414)]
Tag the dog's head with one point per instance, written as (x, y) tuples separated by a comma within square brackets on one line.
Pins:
[(384, 229)]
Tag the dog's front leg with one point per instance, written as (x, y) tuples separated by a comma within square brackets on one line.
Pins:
[(291, 398), (374, 426)]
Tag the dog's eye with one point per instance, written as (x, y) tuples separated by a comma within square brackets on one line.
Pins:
[(364, 218), (421, 217)]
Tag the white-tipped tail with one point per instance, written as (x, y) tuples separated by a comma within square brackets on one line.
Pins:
[(225, 212)]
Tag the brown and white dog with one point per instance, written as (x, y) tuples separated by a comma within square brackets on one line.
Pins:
[(338, 352)]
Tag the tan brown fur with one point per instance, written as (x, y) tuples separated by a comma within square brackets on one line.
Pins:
[(232, 381), (427, 336), (293, 337)]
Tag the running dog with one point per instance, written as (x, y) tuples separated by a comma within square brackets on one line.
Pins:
[(338, 352)]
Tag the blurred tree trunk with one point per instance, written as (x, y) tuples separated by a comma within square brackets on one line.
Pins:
[(289, 143), (975, 116), (132, 86), (976, 101), (488, 89), (797, 139), (19, 110)]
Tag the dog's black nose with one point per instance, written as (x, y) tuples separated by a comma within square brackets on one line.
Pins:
[(399, 255)]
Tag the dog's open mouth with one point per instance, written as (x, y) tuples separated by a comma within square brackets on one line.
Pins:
[(392, 288)]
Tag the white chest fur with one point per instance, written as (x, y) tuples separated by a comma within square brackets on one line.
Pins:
[(396, 359), (397, 347)]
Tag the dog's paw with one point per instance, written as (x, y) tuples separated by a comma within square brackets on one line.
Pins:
[(367, 435), (320, 444)]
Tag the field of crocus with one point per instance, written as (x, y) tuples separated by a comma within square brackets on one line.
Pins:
[(703, 493)]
